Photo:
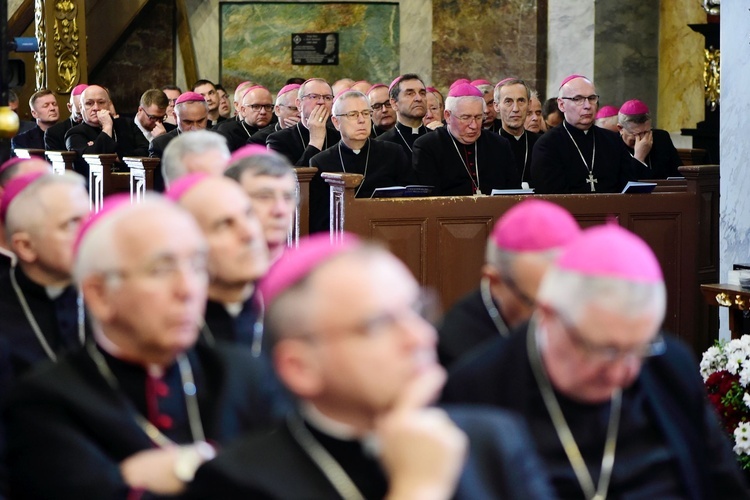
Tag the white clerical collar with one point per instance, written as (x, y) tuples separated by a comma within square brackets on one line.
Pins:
[(338, 430), (115, 351), (234, 309), (148, 135), (54, 292), (414, 131), (517, 137)]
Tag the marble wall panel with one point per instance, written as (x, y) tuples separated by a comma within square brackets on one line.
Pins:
[(680, 93), (570, 45), (144, 58), (484, 39), (256, 41), (415, 34), (734, 204), (626, 52)]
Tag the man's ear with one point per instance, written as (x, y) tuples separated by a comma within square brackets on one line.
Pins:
[(96, 291), (22, 245), (297, 366)]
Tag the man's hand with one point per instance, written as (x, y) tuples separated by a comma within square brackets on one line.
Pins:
[(422, 450), (316, 123), (291, 121), (643, 144), (434, 125), (158, 130), (153, 470), (105, 120)]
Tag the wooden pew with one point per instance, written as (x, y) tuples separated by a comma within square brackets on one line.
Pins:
[(442, 239), (102, 181), (692, 156), (301, 224), (28, 153), (61, 160), (141, 175)]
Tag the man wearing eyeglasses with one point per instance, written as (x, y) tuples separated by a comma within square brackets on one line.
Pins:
[(650, 146), (383, 164), (285, 111), (408, 97), (383, 114), (577, 156), (463, 158), (101, 132), (522, 246), (152, 113), (617, 409), (350, 340), (256, 108), (314, 132)]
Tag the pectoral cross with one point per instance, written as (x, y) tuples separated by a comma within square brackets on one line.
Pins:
[(592, 181)]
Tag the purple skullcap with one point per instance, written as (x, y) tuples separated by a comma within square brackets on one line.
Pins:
[(250, 89), (534, 226), (394, 83), (571, 77), (190, 97), (432, 90), (288, 88), (610, 251), (634, 107), (13, 188), (376, 86), (503, 81), (460, 81), (110, 204), (480, 81), (184, 184), (296, 263), (248, 151), (78, 89), (464, 90), (606, 112), (243, 84)]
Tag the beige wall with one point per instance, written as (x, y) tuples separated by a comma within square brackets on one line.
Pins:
[(680, 65)]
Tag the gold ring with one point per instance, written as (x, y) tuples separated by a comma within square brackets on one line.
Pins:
[(320, 119)]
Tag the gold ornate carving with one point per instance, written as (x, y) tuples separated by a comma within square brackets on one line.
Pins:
[(40, 66), (712, 76), (723, 299), (741, 303), (66, 40)]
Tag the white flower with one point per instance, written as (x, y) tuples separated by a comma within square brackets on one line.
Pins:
[(746, 399), (742, 438)]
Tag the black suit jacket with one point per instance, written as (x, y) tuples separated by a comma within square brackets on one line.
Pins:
[(437, 163), (500, 465), (54, 137), (237, 133), (31, 139), (294, 143), (85, 139), (68, 430), (663, 159), (387, 166), (499, 374)]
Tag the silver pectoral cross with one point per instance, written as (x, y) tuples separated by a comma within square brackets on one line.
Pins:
[(591, 180)]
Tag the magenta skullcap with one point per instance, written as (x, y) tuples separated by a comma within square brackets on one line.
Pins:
[(376, 86), (432, 90), (78, 89), (247, 151), (534, 226), (481, 81), (610, 251), (13, 161), (296, 263), (571, 77), (184, 184), (394, 83), (241, 85), (459, 82), (250, 89), (634, 107), (288, 88), (465, 90), (110, 204), (14, 187), (606, 112), (190, 97)]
